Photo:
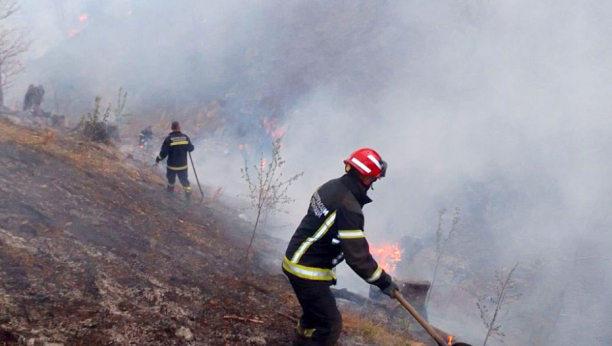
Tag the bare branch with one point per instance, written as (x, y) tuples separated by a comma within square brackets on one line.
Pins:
[(8, 8), (504, 284), (269, 192), (442, 243), (13, 44)]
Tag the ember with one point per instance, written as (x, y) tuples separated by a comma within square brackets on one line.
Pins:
[(83, 17), (387, 256)]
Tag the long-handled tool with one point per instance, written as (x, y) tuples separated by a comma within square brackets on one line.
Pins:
[(196, 176), (424, 323)]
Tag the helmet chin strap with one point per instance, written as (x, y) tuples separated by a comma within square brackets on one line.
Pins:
[(363, 183), (371, 186), (356, 175)]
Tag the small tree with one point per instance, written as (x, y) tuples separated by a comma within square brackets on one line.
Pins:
[(120, 108), (505, 285), (93, 125), (13, 44), (268, 189), (442, 242)]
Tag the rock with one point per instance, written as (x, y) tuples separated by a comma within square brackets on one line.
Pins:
[(88, 323), (185, 333), (257, 341), (53, 344)]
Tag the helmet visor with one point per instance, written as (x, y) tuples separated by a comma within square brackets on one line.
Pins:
[(383, 170)]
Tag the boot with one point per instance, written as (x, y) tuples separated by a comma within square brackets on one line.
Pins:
[(299, 340), (188, 196), (170, 189)]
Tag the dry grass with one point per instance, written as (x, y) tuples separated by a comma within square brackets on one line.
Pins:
[(75, 150), (372, 333), (216, 196)]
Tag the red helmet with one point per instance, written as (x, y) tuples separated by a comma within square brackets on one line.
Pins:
[(367, 162)]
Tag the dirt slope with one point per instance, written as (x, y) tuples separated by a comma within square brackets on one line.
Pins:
[(92, 252)]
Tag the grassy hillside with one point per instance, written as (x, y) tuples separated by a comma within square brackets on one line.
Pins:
[(92, 252)]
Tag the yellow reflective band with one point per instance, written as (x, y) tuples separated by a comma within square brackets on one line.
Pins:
[(350, 234), (310, 240), (176, 168), (308, 332), (309, 273), (375, 276), (179, 143), (187, 188), (305, 332)]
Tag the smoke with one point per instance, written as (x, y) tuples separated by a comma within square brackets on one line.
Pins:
[(498, 108)]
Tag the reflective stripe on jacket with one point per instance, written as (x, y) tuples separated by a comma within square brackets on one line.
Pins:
[(331, 232), (176, 147)]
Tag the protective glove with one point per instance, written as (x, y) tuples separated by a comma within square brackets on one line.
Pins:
[(157, 161), (389, 289)]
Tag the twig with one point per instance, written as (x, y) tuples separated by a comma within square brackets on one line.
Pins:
[(257, 287), (288, 316), (242, 319)]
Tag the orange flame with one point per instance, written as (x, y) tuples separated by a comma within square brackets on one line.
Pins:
[(388, 256), (263, 163), (274, 129), (83, 22), (450, 339)]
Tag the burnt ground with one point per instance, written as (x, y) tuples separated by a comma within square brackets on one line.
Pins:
[(93, 252)]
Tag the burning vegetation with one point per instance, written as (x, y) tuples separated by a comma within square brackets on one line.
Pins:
[(387, 256)]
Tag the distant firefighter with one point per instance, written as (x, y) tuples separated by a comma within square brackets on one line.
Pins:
[(33, 98), (176, 148)]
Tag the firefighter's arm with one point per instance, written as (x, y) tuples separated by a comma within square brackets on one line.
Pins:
[(164, 150), (357, 251), (190, 146)]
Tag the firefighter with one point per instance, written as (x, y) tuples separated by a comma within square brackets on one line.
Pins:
[(332, 231), (176, 147), (145, 136)]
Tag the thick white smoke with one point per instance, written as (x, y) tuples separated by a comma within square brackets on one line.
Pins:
[(498, 108)]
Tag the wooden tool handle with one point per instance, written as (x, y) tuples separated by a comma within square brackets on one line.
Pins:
[(419, 319)]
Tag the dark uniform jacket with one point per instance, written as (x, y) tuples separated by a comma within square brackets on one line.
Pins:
[(176, 147), (331, 232), (145, 135)]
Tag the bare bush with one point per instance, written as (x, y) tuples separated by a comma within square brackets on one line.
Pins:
[(118, 112), (94, 125), (442, 241), (503, 297), (13, 44), (268, 190)]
